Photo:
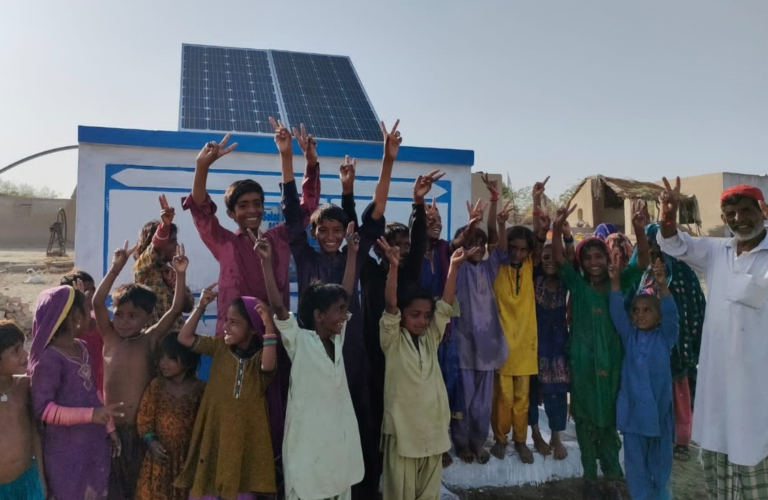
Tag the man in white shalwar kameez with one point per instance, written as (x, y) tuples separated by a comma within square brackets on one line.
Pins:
[(730, 420)]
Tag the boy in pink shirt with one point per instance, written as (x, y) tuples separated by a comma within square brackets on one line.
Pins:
[(240, 271)]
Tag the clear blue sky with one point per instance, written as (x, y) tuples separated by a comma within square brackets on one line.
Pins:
[(569, 88)]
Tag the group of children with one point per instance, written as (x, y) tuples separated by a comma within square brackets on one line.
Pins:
[(387, 362)]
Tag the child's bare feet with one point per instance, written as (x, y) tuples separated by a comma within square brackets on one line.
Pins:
[(499, 450), (538, 442), (465, 455), (481, 454), (526, 455), (560, 452), (447, 460)]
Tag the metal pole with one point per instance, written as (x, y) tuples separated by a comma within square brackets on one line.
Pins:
[(37, 155)]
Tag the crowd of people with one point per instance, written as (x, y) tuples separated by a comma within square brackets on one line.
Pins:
[(404, 345)]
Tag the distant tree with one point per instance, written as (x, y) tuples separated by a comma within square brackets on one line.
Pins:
[(566, 195), (22, 190), (522, 201)]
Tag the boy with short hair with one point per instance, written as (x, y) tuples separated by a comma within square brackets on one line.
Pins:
[(21, 461), (328, 226), (89, 332), (130, 340)]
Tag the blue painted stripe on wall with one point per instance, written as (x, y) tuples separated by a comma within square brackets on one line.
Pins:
[(265, 145)]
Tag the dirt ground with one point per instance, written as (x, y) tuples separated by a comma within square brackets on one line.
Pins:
[(12, 283), (687, 484)]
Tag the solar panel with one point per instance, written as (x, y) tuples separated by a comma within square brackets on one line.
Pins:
[(227, 90), (237, 90), (324, 93)]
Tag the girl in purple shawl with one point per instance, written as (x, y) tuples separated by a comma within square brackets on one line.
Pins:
[(65, 399)]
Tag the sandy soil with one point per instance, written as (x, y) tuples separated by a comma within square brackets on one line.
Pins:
[(12, 283)]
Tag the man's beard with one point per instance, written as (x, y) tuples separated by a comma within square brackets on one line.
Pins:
[(746, 235)]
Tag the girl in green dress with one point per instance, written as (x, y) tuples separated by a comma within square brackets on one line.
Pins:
[(595, 351)]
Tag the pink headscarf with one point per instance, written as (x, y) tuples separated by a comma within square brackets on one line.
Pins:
[(53, 306), (253, 314)]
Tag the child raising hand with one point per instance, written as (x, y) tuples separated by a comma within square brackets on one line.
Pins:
[(644, 406), (416, 412), (322, 455), (231, 450)]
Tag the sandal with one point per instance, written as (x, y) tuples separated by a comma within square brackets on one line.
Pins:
[(682, 453)]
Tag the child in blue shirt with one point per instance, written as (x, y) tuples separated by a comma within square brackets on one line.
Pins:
[(644, 406)]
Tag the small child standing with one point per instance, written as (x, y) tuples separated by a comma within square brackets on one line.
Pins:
[(66, 400), (416, 412), (644, 406), (322, 456), (130, 340), (230, 454), (21, 462), (481, 342), (166, 418)]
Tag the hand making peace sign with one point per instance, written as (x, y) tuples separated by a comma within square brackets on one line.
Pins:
[(212, 151)]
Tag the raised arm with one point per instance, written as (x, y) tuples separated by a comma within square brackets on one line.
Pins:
[(418, 224), (670, 321), (350, 271), (100, 311), (284, 143), (561, 216), (538, 195), (347, 172), (493, 191), (639, 220), (476, 215), (187, 334), (294, 218), (449, 291), (501, 227), (616, 302), (211, 152), (392, 141), (263, 249), (541, 235), (670, 202), (392, 254), (269, 344), (180, 264), (570, 250)]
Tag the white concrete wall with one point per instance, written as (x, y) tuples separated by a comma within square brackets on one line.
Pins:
[(120, 197)]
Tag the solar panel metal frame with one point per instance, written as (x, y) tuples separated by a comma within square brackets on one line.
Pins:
[(278, 92)]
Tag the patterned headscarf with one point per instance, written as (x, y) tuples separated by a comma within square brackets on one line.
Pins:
[(685, 287), (620, 242), (53, 306), (604, 230)]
